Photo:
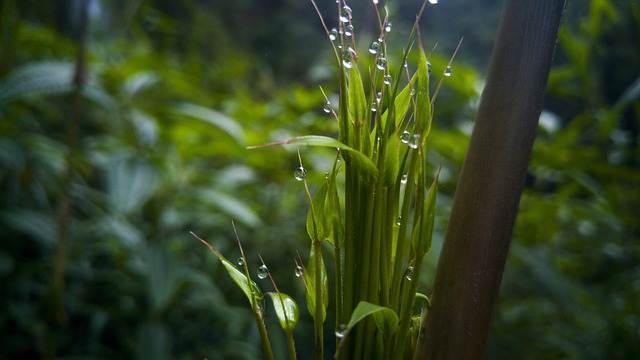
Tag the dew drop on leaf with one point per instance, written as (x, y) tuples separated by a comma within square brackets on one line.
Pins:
[(415, 141), (345, 14), (433, 2), (408, 274), (240, 261), (348, 30), (448, 71), (299, 271), (381, 64), (404, 179), (300, 173), (341, 331), (327, 107), (333, 34), (387, 79), (373, 48), (405, 137), (263, 271), (387, 27)]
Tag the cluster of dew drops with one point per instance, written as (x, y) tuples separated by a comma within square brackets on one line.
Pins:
[(346, 15)]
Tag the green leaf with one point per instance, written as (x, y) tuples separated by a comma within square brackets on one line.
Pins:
[(362, 162), (130, 182), (401, 104), (332, 212), (391, 160), (423, 230), (357, 99), (312, 288), (316, 219), (423, 99), (215, 118), (286, 310), (248, 286), (386, 319)]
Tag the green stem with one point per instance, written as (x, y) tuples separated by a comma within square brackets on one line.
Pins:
[(318, 321), (291, 345), (264, 338), (338, 285)]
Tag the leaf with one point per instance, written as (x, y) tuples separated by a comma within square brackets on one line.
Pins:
[(357, 99), (230, 205), (312, 288), (131, 182), (316, 215), (286, 310), (386, 319), (332, 212), (250, 288), (391, 160), (49, 78), (423, 100), (401, 104), (361, 161), (38, 79), (423, 230), (215, 118), (326, 205)]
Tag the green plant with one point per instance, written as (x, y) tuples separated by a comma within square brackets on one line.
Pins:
[(382, 233)]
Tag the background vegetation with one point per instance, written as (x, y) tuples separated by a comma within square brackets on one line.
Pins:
[(101, 181)]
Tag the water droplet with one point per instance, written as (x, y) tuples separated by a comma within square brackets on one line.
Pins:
[(413, 92), (399, 219), (348, 30), (299, 271), (346, 61), (263, 271), (327, 107), (387, 27), (375, 2), (379, 96), (405, 137), (433, 1), (428, 68), (408, 274), (345, 14), (300, 173), (341, 331), (415, 141), (333, 34), (387, 79), (240, 261), (381, 64), (448, 71), (373, 48), (374, 106), (404, 178)]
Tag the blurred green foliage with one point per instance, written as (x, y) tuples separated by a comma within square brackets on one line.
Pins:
[(173, 93)]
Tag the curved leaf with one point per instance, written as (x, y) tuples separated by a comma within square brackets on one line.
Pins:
[(286, 310), (249, 287), (361, 161), (386, 319), (212, 117)]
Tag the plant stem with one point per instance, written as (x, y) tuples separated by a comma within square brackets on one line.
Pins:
[(318, 321), (264, 338)]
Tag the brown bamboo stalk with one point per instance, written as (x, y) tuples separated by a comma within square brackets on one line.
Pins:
[(488, 193)]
